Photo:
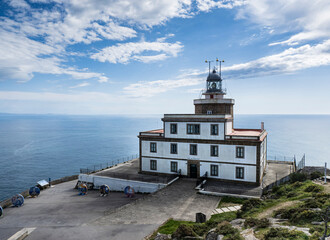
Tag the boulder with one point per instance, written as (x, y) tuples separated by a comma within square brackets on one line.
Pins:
[(162, 236)]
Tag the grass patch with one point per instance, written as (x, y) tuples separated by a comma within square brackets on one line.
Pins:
[(228, 216), (171, 226), (227, 201)]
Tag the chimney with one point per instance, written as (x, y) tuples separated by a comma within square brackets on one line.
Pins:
[(262, 126)]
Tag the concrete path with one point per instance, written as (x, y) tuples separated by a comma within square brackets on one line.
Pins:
[(178, 201), (226, 209), (59, 213)]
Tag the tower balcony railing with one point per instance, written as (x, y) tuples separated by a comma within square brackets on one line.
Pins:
[(221, 91)]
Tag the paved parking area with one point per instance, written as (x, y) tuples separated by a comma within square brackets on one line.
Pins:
[(178, 201), (59, 213)]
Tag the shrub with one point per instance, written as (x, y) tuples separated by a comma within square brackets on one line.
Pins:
[(258, 223), (296, 185), (313, 203), (275, 189), (287, 213), (298, 177), (283, 233), (305, 216), (182, 231), (316, 229), (200, 229), (229, 232), (316, 236), (315, 175), (313, 188), (251, 203)]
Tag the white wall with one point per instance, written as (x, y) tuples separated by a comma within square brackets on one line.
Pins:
[(117, 184), (229, 127), (164, 165), (228, 171), (227, 153), (205, 130)]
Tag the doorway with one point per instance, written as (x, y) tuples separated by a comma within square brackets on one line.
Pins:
[(193, 170)]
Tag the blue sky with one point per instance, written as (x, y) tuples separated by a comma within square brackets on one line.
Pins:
[(147, 57)]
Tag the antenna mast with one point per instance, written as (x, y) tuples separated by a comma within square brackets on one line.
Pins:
[(209, 65), (220, 61)]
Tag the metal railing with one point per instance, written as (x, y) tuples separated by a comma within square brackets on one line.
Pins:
[(301, 163), (278, 182), (298, 166), (281, 158), (101, 166)]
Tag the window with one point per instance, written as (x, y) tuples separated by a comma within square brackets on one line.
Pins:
[(240, 152), (192, 128), (174, 128), (214, 151), (153, 165), (209, 112), (193, 149), (240, 172), (174, 167), (214, 129), (214, 170), (174, 148), (227, 109), (153, 147)]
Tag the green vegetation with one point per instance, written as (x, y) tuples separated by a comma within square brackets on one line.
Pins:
[(299, 202), (282, 233), (298, 177), (257, 223), (171, 225), (229, 232), (315, 175), (181, 228), (184, 230)]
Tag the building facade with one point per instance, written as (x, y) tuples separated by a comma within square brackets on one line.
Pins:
[(205, 143)]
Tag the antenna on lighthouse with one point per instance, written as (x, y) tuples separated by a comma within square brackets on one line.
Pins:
[(209, 65), (220, 61)]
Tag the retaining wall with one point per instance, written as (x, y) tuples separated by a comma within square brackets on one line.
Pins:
[(117, 184)]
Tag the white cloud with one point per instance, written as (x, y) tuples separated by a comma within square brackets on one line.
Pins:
[(84, 84), (309, 19), (288, 61), (21, 57), (207, 5), (138, 51), (59, 23), (152, 88)]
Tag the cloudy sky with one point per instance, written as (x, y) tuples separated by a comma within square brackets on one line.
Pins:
[(145, 57)]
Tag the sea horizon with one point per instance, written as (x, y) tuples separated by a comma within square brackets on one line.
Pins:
[(41, 146)]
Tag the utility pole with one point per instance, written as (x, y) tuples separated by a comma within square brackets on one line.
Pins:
[(325, 172)]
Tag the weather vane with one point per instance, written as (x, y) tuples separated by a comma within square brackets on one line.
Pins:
[(218, 61)]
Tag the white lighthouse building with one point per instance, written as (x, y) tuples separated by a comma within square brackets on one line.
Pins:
[(205, 143)]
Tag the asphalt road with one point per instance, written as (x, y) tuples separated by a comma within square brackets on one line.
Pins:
[(59, 213)]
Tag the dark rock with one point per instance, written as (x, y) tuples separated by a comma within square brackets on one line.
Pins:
[(200, 218)]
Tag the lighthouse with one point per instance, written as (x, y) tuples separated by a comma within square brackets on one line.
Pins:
[(205, 143)]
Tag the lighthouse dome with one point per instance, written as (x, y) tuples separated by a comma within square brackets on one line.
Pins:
[(214, 76)]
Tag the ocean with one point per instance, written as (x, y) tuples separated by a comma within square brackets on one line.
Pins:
[(36, 147)]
